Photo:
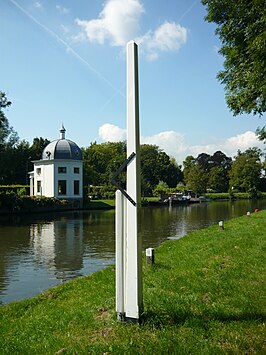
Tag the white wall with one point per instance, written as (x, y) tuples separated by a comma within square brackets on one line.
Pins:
[(69, 176), (49, 177)]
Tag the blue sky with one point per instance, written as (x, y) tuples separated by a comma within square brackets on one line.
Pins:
[(64, 61)]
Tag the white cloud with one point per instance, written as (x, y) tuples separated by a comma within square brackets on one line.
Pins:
[(37, 4), (170, 141), (175, 145), (119, 22), (168, 37), (63, 10), (111, 133), (242, 141)]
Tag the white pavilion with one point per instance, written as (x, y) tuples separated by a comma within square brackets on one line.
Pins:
[(60, 171)]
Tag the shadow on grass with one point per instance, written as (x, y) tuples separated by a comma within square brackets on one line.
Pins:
[(162, 319), (157, 266)]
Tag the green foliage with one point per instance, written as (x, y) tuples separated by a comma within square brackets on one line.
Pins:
[(101, 161), (37, 147), (161, 188), (246, 171), (241, 27), (17, 189), (197, 180), (180, 187), (218, 179), (11, 202), (207, 172), (8, 137), (261, 134), (188, 164), (217, 195), (156, 165)]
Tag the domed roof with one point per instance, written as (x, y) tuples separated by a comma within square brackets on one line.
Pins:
[(62, 149)]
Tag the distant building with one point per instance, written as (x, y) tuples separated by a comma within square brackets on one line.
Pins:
[(60, 171)]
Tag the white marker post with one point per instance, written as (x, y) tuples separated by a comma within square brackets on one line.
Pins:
[(133, 294), (129, 303)]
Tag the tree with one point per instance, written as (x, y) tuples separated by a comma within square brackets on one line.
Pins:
[(204, 161), (14, 164), (157, 166), (161, 188), (7, 134), (197, 180), (188, 163), (246, 171), (101, 161), (215, 168), (220, 166), (241, 28), (37, 147), (261, 134), (221, 160), (218, 180)]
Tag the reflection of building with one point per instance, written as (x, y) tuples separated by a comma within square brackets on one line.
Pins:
[(60, 171), (59, 246)]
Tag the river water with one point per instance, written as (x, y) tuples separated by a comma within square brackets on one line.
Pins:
[(42, 250)]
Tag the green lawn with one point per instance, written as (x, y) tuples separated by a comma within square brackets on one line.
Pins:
[(205, 294), (100, 204)]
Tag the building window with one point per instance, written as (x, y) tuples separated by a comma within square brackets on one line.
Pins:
[(76, 170), (76, 187), (62, 188), (62, 170), (38, 171), (39, 187)]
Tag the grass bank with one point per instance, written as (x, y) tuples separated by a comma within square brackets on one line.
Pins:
[(99, 204), (235, 196), (205, 294)]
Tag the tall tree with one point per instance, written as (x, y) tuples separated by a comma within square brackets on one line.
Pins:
[(221, 160), (261, 134), (241, 26), (197, 180), (37, 147), (246, 171), (101, 161), (215, 168), (218, 179), (157, 166), (204, 161), (7, 134), (188, 163)]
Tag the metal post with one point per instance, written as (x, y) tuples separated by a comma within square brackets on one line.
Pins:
[(133, 279)]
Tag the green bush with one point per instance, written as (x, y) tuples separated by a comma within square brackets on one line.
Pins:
[(14, 188), (12, 202)]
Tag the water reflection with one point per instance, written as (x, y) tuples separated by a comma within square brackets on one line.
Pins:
[(40, 251), (37, 254), (58, 246)]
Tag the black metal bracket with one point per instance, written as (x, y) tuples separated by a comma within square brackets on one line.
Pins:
[(119, 170)]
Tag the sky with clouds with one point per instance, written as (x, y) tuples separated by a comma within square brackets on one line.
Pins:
[(64, 62)]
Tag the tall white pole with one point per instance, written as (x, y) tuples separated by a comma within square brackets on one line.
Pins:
[(133, 269)]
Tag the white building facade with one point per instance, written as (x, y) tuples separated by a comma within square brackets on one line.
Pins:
[(60, 171)]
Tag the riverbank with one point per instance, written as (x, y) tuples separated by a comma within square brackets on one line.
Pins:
[(12, 204), (204, 295)]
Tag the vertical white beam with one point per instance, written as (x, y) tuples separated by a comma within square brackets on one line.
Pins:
[(133, 292), (120, 257)]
